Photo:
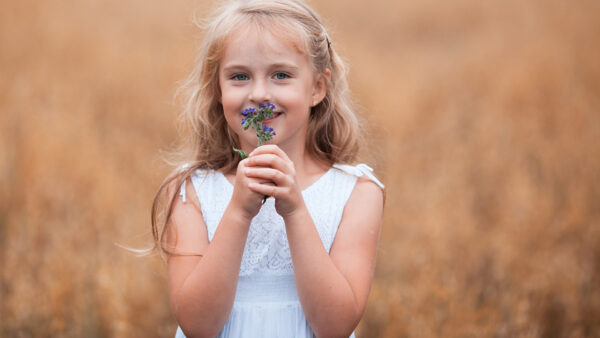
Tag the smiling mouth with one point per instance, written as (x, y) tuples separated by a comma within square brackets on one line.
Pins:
[(275, 115)]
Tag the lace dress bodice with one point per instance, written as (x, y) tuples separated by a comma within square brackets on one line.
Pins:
[(266, 302)]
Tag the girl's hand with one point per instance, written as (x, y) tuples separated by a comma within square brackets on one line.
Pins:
[(247, 200), (273, 174)]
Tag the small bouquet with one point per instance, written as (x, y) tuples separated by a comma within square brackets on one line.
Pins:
[(253, 117)]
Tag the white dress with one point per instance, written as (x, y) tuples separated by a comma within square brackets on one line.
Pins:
[(266, 301)]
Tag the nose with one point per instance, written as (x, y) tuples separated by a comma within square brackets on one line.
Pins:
[(259, 92)]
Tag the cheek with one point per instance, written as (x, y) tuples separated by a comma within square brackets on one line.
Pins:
[(293, 96), (232, 100)]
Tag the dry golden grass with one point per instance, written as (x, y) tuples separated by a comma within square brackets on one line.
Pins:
[(486, 119)]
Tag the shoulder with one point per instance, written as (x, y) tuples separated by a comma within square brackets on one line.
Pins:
[(185, 231), (182, 191), (364, 174), (366, 196), (366, 186)]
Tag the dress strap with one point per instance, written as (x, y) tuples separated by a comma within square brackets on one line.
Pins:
[(182, 192), (359, 170), (182, 189)]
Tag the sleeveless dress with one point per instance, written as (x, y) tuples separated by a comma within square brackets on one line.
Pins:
[(266, 301)]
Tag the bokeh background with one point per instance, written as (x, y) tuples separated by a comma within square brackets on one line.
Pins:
[(485, 127)]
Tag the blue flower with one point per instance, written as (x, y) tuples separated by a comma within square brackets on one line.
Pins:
[(253, 117)]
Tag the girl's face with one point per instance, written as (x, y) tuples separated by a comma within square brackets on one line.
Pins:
[(261, 67)]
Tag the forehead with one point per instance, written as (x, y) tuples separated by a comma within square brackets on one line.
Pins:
[(271, 35)]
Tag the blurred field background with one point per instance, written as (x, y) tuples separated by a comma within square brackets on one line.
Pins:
[(486, 130)]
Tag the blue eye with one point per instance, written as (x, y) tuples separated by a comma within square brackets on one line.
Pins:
[(281, 76), (240, 77)]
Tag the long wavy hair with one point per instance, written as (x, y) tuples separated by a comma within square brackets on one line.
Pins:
[(334, 133)]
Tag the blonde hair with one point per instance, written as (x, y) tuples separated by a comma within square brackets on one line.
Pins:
[(334, 132)]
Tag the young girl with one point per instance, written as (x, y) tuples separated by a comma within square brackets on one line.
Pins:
[(301, 263)]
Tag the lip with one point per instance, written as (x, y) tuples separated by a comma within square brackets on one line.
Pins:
[(277, 114)]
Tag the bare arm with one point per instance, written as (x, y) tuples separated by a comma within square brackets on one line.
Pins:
[(334, 288), (204, 287)]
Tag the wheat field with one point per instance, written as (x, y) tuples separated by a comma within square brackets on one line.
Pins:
[(485, 129)]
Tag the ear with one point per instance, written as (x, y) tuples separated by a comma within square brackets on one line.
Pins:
[(320, 87)]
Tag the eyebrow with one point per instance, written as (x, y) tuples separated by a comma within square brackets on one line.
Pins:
[(284, 65), (228, 69), (236, 67)]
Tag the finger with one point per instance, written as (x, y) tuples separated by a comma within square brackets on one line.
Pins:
[(272, 149), (242, 164), (260, 180), (269, 160), (268, 174), (266, 190)]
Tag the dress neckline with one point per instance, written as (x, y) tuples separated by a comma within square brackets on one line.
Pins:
[(310, 186)]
